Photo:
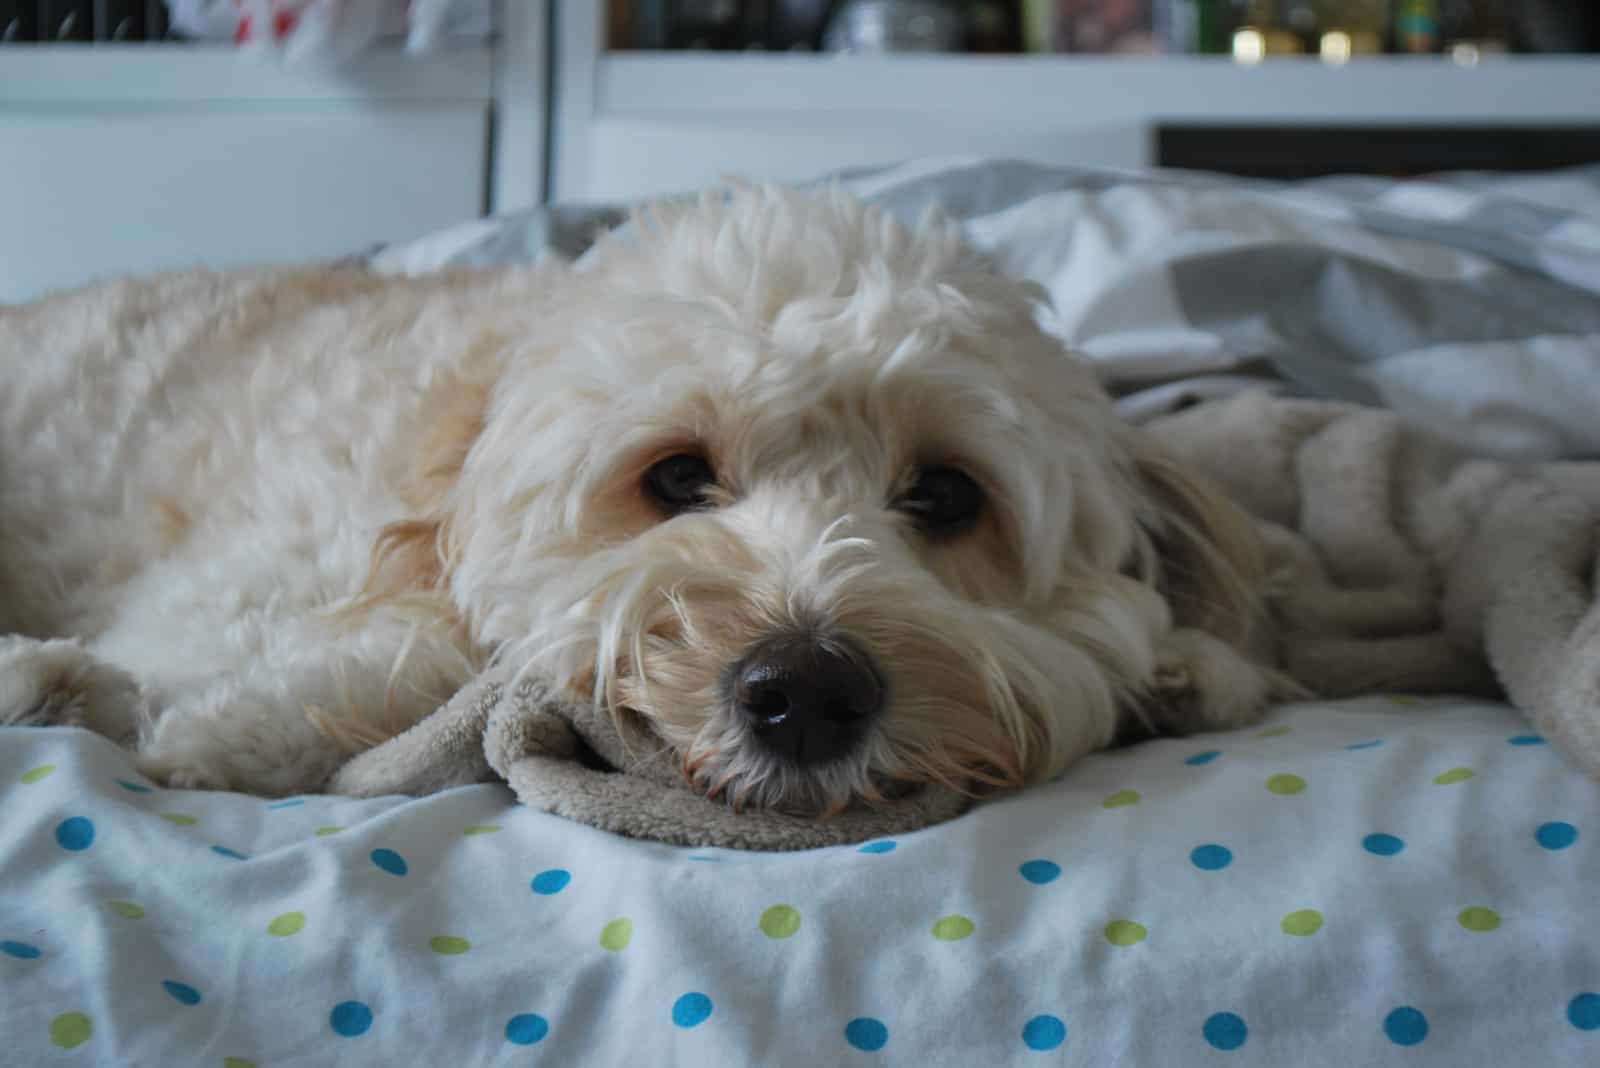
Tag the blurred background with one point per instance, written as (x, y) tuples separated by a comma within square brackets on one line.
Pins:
[(137, 134)]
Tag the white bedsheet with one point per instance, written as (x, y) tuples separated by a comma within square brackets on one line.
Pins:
[(1365, 883)]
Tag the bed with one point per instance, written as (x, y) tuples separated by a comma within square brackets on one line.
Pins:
[(1390, 879)]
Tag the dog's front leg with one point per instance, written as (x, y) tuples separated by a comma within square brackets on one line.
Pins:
[(59, 683), (283, 721)]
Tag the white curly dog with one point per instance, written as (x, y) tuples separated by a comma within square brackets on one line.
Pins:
[(809, 493)]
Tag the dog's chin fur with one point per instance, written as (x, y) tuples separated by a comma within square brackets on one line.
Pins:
[(816, 353)]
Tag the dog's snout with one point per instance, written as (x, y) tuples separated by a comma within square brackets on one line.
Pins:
[(807, 698)]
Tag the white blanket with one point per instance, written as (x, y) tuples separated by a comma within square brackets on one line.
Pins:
[(1371, 882)]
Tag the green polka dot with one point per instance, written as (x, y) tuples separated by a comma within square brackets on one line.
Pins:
[(126, 909), (1304, 922), (1478, 919), (1274, 732), (287, 924), (616, 935), (952, 928), (1121, 799), (237, 1062), (70, 1029), (481, 828), (449, 945), (33, 775), (1454, 775), (323, 832), (1125, 933), (1286, 785), (782, 921), (179, 818)]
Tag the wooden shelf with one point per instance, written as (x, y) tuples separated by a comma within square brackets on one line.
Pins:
[(63, 75)]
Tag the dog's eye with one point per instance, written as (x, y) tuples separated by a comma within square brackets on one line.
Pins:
[(943, 500), (680, 482)]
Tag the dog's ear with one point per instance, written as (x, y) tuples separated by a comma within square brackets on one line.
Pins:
[(454, 408), (1205, 556), (1209, 561), (412, 556)]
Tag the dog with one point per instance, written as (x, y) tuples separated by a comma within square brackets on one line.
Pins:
[(808, 494)]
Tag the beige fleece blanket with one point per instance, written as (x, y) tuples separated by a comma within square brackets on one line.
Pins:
[(1398, 565), (557, 758)]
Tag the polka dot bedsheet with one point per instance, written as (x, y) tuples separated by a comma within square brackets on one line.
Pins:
[(1370, 882)]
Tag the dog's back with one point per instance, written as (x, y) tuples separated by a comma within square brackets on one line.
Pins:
[(137, 416)]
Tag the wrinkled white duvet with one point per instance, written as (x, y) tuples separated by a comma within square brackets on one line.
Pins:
[(1365, 883)]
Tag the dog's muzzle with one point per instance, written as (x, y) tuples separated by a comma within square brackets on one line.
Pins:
[(808, 698)]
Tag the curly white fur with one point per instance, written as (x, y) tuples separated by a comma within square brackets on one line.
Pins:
[(301, 508)]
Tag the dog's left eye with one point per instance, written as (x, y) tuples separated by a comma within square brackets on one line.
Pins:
[(943, 500), (679, 483)]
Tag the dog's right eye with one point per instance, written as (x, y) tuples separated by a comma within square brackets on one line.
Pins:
[(943, 500), (679, 483)]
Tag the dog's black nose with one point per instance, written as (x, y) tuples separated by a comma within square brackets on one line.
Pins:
[(809, 699)]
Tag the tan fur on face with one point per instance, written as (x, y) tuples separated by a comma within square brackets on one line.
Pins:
[(695, 627)]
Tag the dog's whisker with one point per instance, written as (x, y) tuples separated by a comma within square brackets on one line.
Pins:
[(721, 785), (833, 809)]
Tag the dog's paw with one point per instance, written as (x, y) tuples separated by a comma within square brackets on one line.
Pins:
[(1202, 683), (1172, 679), (181, 774), (60, 684)]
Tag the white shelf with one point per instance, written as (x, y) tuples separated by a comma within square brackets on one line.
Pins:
[(1011, 89), (119, 158), (54, 76), (632, 124)]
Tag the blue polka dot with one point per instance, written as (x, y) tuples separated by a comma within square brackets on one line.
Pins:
[(1526, 739), (182, 993), (1405, 1026), (1203, 758), (229, 853), (691, 1010), (1383, 845), (1225, 1031), (1039, 872), (1373, 744), (878, 847), (1556, 835), (391, 862), (134, 787), (526, 1029), (1044, 1033), (287, 803), (551, 882), (1583, 1012), (75, 833), (866, 1033), (19, 950), (350, 1019), (1211, 857)]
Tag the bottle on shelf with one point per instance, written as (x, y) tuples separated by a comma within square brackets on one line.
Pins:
[(1416, 26), (1350, 28), (1195, 27), (1472, 29), (1556, 25), (1264, 32), (17, 21)]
